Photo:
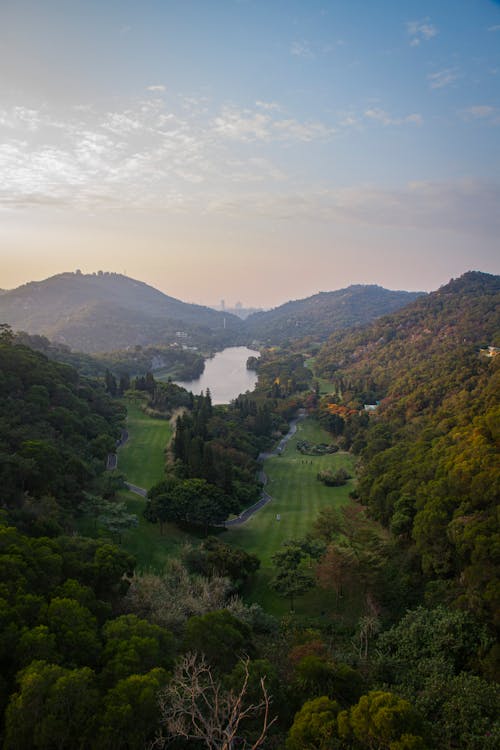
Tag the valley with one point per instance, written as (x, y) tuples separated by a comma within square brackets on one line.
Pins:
[(370, 576)]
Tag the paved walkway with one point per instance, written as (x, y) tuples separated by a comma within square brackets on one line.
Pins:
[(248, 512), (138, 490), (266, 497)]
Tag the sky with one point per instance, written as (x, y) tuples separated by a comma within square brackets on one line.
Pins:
[(250, 150)]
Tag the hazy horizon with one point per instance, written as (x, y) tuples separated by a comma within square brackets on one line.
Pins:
[(250, 151), (230, 304)]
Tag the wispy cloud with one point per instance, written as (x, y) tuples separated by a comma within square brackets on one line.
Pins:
[(494, 28), (267, 105), (482, 112), (380, 115), (250, 125), (143, 155), (156, 87), (442, 78), (420, 31), (302, 49), (467, 206)]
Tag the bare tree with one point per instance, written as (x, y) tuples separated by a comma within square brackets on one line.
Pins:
[(196, 706)]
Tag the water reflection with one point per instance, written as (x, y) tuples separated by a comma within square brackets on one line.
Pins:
[(226, 375)]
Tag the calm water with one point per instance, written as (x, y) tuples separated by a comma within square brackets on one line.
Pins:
[(225, 374)]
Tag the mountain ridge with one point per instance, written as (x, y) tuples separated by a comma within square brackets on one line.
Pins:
[(320, 314), (107, 311)]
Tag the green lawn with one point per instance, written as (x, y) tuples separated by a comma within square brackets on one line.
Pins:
[(142, 458), (150, 548), (325, 386), (297, 497)]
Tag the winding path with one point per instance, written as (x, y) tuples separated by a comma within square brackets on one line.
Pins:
[(266, 497), (112, 463)]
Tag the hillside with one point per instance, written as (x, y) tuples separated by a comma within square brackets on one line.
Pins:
[(429, 451), (108, 311), (320, 315), (398, 350)]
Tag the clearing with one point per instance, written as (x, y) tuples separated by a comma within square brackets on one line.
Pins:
[(142, 458), (298, 497)]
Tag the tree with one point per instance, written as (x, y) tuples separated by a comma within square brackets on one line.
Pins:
[(294, 575), (314, 726), (382, 721), (161, 507), (317, 675), (213, 557), (195, 706), (110, 382), (130, 714), (75, 629), (115, 518), (191, 501), (53, 708), (433, 641), (134, 646), (220, 637)]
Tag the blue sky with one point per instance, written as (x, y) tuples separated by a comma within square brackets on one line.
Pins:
[(253, 150)]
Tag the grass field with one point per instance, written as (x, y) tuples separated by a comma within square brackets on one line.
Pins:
[(324, 385), (297, 497), (149, 547), (142, 458)]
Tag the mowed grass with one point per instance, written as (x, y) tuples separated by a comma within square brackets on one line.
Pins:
[(142, 458), (298, 497), (150, 548), (325, 386)]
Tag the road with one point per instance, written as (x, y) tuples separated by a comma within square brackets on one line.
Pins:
[(266, 497), (248, 512)]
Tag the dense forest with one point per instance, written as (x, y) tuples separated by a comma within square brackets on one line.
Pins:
[(103, 312), (171, 361), (97, 653), (428, 446), (318, 316)]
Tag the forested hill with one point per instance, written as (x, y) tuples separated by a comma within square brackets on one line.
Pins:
[(322, 314), (430, 468), (109, 311), (398, 352)]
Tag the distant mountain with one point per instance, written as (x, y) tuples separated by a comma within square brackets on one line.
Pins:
[(109, 311), (318, 316)]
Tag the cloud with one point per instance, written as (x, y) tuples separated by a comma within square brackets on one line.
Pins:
[(156, 87), (482, 112), (467, 206), (249, 125), (302, 49), (267, 105), (380, 115), (243, 124), (442, 78), (141, 156), (494, 28), (420, 31)]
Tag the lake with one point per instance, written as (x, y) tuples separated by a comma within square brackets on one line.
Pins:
[(226, 375)]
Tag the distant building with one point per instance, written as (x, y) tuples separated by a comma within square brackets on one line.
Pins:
[(491, 351)]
